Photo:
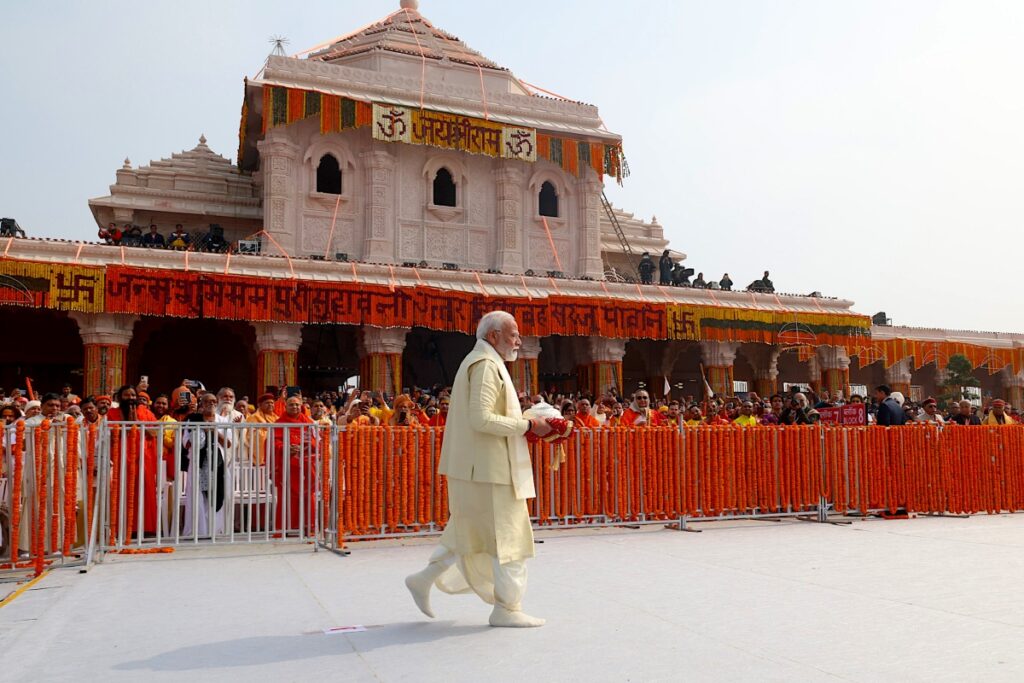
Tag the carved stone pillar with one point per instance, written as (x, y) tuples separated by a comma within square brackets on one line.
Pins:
[(1013, 387), (897, 376), (277, 354), (589, 264), (508, 181), (834, 364), (378, 243), (765, 361), (601, 365), (718, 358), (278, 157), (814, 373), (380, 358), (105, 337)]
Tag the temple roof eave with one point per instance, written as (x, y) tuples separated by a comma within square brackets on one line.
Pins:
[(547, 114), (198, 206), (934, 334), (493, 284)]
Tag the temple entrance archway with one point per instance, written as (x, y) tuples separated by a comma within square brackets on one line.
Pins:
[(215, 352), (432, 357), (328, 356), (40, 344)]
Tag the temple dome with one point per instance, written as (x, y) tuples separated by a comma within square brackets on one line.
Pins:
[(406, 32)]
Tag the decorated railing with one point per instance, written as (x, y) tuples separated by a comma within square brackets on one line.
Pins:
[(69, 492)]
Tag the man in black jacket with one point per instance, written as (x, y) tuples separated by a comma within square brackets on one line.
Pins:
[(890, 413), (665, 266)]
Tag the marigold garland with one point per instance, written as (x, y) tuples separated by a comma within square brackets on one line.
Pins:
[(18, 454), (70, 485), (41, 442)]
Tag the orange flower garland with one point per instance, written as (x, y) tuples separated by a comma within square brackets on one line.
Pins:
[(18, 454), (70, 485), (41, 442)]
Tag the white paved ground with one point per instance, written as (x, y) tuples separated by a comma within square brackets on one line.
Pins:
[(928, 599)]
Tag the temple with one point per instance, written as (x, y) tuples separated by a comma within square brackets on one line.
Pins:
[(390, 186)]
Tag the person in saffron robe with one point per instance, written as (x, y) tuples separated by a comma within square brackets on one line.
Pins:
[(584, 418), (639, 413), (256, 441), (151, 454), (292, 467), (441, 419), (402, 416)]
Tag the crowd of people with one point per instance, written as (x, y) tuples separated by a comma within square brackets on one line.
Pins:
[(673, 273), (133, 236), (428, 407)]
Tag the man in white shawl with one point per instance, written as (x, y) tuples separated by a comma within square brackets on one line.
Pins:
[(488, 538)]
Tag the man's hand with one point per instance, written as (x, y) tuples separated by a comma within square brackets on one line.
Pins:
[(540, 428)]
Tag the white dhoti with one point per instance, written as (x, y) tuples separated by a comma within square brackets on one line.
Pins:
[(485, 544)]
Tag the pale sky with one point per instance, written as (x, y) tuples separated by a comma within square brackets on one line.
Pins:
[(871, 150)]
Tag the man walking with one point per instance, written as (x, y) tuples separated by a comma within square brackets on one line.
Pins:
[(485, 457)]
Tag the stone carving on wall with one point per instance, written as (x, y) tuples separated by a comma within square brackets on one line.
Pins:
[(277, 213), (314, 234), (378, 224), (541, 257), (279, 185), (279, 164), (478, 248), (317, 228), (411, 246), (445, 244), (477, 208), (510, 229)]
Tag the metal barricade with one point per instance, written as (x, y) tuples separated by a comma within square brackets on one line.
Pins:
[(71, 492), (170, 484), (44, 513)]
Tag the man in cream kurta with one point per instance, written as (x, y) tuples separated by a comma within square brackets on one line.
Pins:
[(485, 457)]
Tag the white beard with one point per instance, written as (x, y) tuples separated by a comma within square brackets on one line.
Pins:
[(512, 355)]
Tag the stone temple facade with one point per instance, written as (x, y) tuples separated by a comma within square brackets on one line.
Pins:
[(398, 158)]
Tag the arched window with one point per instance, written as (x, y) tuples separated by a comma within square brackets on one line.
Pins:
[(444, 188), (548, 200), (328, 175)]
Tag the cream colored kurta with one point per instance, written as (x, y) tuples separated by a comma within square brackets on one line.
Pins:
[(487, 462)]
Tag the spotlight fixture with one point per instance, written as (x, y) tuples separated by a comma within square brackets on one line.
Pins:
[(423, 264), (529, 272), (493, 271), (316, 257), (340, 256), (556, 274), (450, 266), (408, 264)]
